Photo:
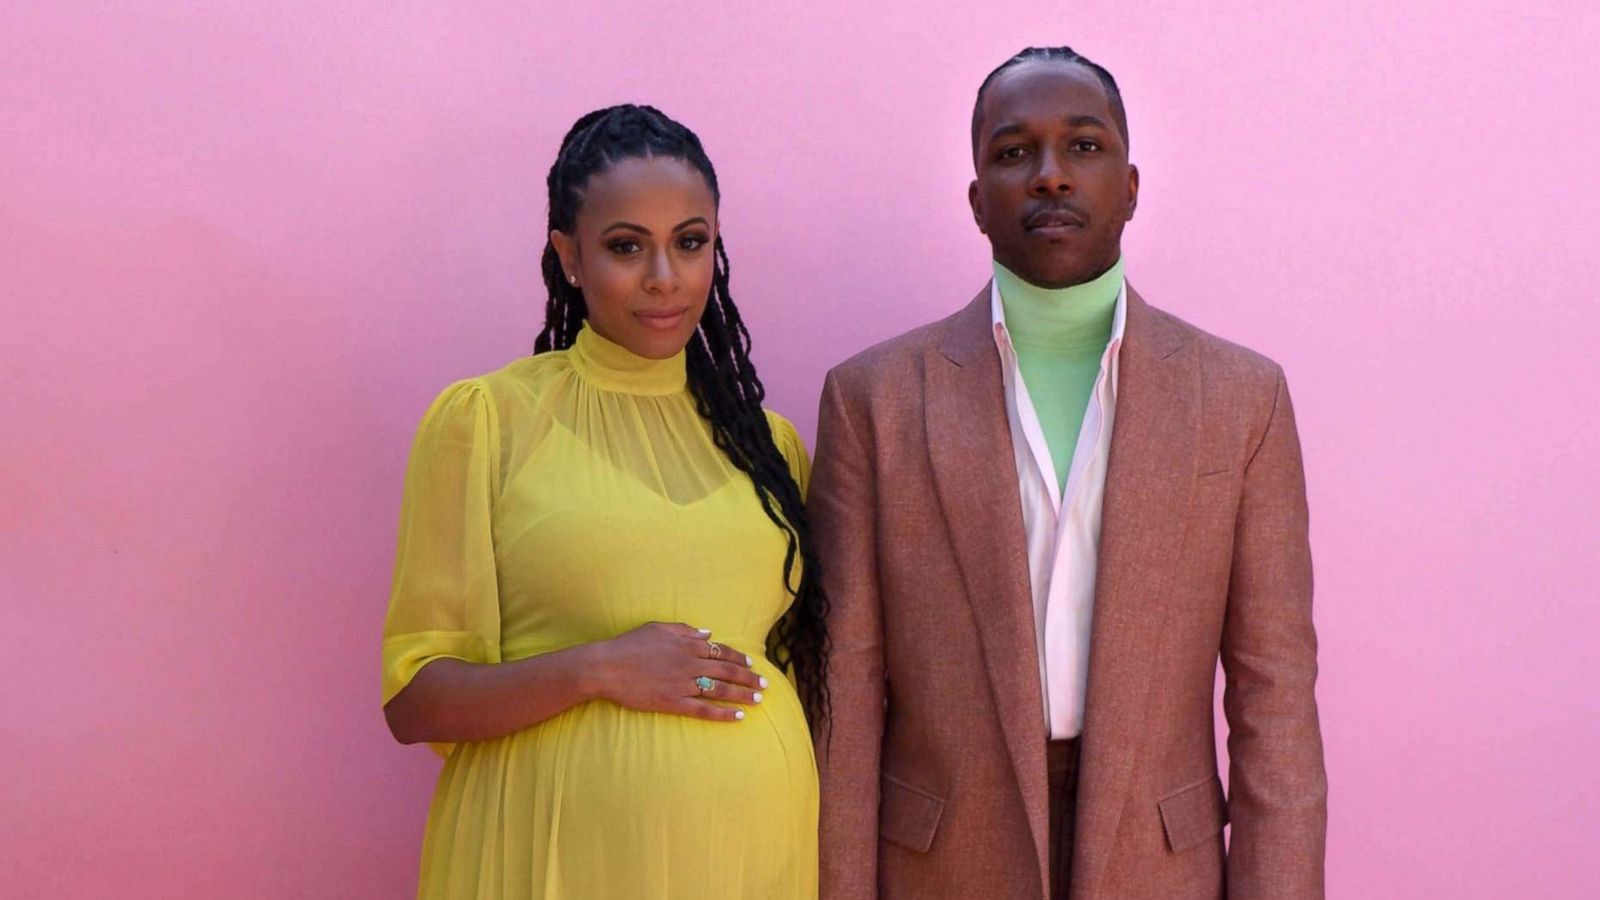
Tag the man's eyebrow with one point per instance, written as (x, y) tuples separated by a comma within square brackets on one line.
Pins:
[(1006, 130), (1078, 121)]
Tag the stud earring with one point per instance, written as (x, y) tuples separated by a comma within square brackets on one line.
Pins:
[(572, 280)]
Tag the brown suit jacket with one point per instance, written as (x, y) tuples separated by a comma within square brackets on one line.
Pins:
[(933, 760)]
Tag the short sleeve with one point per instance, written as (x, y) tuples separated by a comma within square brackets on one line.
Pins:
[(792, 448), (445, 598)]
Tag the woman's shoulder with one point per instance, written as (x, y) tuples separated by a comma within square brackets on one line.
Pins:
[(519, 380), (527, 373), (501, 393), (782, 428), (789, 443)]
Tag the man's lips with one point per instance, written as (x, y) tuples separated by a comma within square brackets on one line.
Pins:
[(1053, 220), (661, 318)]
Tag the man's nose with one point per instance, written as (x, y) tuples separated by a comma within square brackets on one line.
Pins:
[(1052, 176)]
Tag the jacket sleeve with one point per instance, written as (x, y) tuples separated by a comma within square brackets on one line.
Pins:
[(842, 510), (1278, 791)]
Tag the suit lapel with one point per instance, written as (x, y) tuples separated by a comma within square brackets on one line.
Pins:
[(1148, 480), (975, 476)]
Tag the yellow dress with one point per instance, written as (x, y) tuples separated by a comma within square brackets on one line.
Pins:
[(568, 498)]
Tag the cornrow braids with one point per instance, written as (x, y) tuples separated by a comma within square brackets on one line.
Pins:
[(722, 379), (1056, 54)]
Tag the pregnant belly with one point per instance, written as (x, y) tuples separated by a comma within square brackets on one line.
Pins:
[(615, 780)]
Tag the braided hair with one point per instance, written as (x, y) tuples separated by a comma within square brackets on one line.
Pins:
[(721, 378), (1056, 54)]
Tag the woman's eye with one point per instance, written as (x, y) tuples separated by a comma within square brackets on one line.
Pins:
[(692, 242), (622, 248)]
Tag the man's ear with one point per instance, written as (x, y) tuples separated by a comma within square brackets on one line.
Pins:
[(977, 209), (567, 252), (1133, 190)]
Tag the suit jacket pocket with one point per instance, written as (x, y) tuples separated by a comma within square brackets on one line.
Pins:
[(908, 815), (1194, 814)]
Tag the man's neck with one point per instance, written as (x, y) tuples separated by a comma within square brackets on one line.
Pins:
[(1074, 318)]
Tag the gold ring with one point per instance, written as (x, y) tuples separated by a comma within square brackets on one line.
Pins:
[(716, 649)]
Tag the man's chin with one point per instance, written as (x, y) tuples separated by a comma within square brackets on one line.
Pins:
[(1054, 273)]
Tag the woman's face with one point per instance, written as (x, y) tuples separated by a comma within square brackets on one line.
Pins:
[(642, 253)]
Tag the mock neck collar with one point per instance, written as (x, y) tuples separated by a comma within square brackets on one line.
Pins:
[(1077, 317), (613, 367)]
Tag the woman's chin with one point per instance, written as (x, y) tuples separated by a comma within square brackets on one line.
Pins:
[(658, 343)]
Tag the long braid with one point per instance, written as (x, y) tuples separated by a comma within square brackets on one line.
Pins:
[(722, 379), (565, 305)]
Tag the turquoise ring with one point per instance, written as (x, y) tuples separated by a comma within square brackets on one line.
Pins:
[(704, 684)]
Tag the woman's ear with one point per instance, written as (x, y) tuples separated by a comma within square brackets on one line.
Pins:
[(567, 252)]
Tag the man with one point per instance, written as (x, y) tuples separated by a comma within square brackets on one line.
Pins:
[(1042, 520)]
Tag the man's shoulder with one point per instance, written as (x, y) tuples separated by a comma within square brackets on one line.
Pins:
[(1223, 360), (895, 359)]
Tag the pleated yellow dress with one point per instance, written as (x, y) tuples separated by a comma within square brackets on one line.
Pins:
[(569, 498)]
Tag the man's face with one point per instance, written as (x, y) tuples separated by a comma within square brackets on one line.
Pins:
[(1054, 186)]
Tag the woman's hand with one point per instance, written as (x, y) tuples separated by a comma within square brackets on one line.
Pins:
[(655, 668)]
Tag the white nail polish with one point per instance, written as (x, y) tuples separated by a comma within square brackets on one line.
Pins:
[(748, 661), (758, 697), (739, 715), (763, 684), (704, 630)]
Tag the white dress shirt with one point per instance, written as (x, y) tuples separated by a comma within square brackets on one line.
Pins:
[(1063, 529)]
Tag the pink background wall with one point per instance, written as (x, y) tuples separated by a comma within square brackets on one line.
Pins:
[(241, 246)]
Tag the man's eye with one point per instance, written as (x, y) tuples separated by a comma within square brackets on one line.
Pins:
[(1086, 145), (622, 248), (1012, 152)]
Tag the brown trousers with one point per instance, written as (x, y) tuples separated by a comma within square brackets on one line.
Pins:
[(1061, 758)]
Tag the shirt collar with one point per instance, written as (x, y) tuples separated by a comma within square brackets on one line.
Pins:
[(1108, 360), (613, 367)]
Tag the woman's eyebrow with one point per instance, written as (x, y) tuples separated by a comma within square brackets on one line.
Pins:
[(626, 226), (629, 226)]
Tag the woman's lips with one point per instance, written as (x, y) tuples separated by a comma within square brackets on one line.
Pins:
[(661, 319)]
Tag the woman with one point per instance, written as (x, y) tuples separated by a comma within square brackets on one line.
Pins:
[(604, 573)]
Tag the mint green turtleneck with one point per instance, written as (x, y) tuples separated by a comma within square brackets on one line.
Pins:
[(1060, 335)]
